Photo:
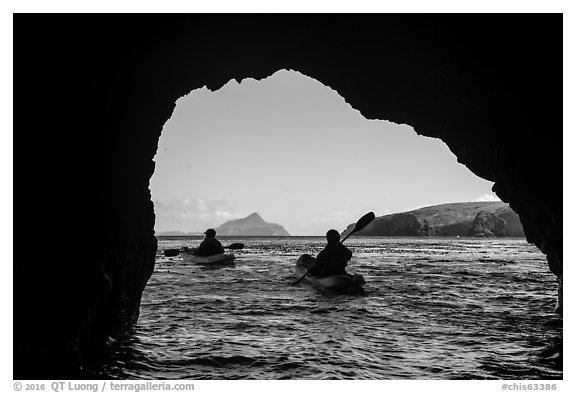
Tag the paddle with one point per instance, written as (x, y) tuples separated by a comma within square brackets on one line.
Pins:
[(360, 224), (172, 252)]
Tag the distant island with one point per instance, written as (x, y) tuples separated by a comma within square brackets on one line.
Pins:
[(252, 225), (476, 219)]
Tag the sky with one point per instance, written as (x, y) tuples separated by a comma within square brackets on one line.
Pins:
[(292, 150)]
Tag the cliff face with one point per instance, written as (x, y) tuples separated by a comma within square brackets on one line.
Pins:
[(480, 219), (92, 93), (252, 225), (488, 225)]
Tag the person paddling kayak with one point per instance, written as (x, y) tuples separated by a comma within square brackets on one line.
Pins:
[(209, 246), (333, 259)]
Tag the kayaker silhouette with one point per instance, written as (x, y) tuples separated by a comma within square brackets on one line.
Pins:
[(210, 245), (333, 259)]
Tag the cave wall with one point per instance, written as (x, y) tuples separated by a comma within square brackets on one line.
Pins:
[(91, 95)]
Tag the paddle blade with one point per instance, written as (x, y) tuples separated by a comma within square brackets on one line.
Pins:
[(364, 220), (171, 252), (236, 246), (360, 224)]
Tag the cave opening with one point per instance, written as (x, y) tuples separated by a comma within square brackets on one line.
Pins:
[(295, 152), (262, 146)]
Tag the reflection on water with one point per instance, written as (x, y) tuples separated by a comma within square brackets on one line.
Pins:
[(433, 309)]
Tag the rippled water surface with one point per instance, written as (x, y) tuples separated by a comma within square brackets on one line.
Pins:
[(433, 309)]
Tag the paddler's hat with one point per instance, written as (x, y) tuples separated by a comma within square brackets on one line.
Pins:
[(210, 232)]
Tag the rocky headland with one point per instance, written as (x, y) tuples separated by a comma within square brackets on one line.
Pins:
[(477, 219)]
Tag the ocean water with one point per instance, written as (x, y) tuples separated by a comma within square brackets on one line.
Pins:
[(434, 308)]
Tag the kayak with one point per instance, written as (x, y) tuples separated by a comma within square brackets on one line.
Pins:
[(219, 259), (347, 283)]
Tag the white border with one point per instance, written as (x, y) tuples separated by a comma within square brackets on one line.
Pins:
[(6, 157)]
